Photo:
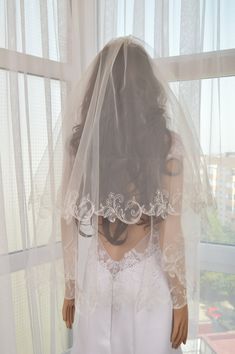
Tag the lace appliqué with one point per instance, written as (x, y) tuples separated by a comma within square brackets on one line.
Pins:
[(154, 277), (142, 270), (130, 259), (115, 206)]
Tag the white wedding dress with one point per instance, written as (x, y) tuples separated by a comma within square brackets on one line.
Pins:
[(115, 327)]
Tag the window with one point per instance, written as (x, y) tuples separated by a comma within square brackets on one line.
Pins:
[(214, 82), (34, 76)]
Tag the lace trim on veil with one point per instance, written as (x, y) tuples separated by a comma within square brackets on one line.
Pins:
[(116, 207)]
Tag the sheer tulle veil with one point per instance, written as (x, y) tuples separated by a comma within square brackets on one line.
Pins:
[(126, 149)]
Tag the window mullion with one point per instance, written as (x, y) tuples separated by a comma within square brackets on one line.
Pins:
[(211, 260), (33, 65), (199, 66), (19, 259)]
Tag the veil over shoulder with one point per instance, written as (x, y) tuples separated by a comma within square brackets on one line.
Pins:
[(130, 152)]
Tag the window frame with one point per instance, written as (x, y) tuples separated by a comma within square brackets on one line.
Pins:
[(214, 64)]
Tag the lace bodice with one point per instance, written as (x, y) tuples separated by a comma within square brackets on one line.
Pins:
[(131, 257)]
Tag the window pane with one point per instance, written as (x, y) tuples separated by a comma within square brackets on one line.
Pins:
[(217, 313), (216, 34), (45, 27), (219, 25), (217, 126), (217, 138), (31, 139)]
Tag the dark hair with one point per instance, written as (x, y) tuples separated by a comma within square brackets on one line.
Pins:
[(155, 114)]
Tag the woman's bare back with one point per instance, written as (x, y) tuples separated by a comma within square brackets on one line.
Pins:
[(134, 232)]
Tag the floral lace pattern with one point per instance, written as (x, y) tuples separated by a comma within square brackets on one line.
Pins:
[(155, 276), (135, 267), (160, 206), (130, 258), (115, 206)]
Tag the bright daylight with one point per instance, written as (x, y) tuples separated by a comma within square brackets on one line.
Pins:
[(117, 176)]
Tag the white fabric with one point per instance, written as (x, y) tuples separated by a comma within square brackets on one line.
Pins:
[(115, 327), (129, 151)]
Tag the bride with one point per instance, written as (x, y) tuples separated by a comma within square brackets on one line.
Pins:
[(133, 192)]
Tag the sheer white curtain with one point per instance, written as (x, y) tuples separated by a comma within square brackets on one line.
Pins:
[(44, 46), (36, 58)]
